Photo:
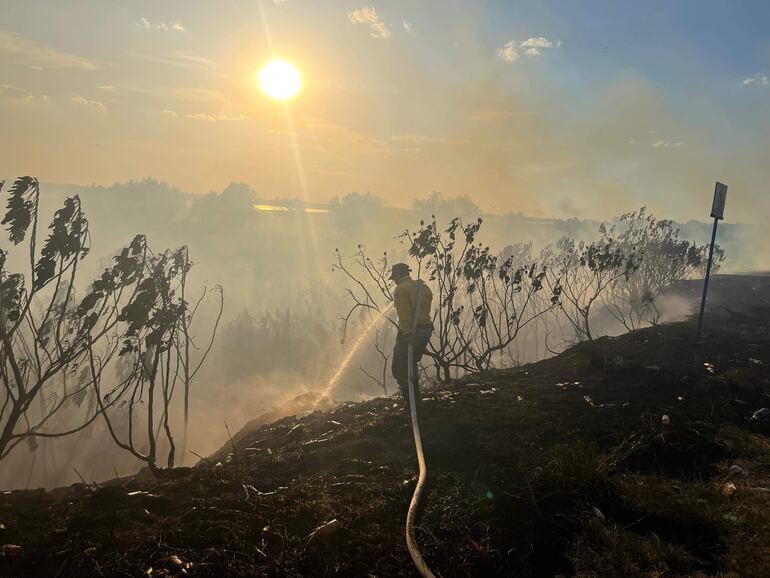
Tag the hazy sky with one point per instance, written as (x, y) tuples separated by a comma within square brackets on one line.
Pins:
[(561, 108)]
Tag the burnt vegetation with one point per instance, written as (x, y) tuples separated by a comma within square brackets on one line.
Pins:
[(491, 305), (552, 449), (649, 463), (117, 351)]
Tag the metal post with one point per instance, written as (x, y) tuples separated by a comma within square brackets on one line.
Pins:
[(708, 274)]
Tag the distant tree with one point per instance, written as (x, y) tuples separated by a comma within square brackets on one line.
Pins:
[(533, 335), (151, 320), (665, 260), (58, 350), (238, 195), (446, 207), (155, 358), (352, 212), (520, 254), (132, 201), (190, 356), (482, 303), (46, 334), (581, 273), (225, 211)]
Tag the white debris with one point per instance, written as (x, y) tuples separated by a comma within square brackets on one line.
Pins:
[(324, 531)]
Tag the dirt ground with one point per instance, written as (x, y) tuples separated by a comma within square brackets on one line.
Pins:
[(627, 456)]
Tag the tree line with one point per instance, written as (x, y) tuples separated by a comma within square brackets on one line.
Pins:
[(487, 301)]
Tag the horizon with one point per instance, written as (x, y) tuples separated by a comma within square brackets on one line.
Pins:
[(266, 201)]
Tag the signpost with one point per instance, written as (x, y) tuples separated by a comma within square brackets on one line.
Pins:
[(717, 212)]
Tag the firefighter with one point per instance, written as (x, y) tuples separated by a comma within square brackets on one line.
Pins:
[(412, 300)]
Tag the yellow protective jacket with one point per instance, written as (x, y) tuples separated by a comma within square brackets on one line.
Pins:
[(405, 300)]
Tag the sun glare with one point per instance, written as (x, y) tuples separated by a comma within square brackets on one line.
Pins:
[(280, 80)]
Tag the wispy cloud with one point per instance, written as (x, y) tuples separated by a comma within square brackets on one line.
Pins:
[(10, 92), (184, 94), (421, 139), (407, 25), (16, 49), (368, 15), (221, 116), (667, 144), (171, 26), (202, 116), (533, 46), (325, 134), (183, 59), (758, 79), (187, 59), (87, 102), (169, 113), (165, 94)]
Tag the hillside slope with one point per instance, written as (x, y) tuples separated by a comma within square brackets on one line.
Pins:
[(613, 458)]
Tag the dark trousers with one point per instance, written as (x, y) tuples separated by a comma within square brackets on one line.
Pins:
[(400, 365)]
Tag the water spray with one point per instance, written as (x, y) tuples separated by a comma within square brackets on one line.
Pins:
[(351, 354)]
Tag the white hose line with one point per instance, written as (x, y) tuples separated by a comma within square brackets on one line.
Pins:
[(411, 515), (411, 542)]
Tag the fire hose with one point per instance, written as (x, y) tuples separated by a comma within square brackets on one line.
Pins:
[(411, 516)]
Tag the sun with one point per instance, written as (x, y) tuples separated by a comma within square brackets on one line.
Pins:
[(280, 80)]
